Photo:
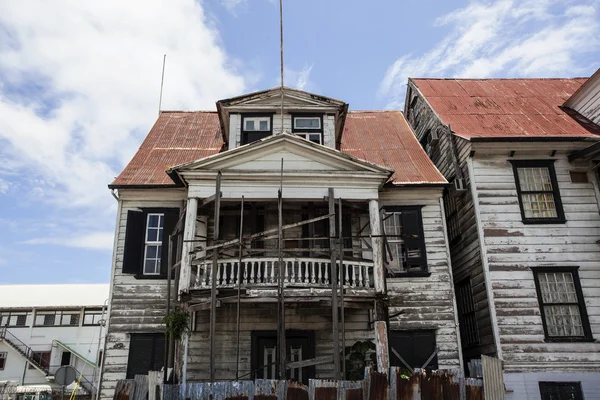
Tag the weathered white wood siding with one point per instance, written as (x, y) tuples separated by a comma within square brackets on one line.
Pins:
[(513, 248), (586, 100), (136, 305), (426, 302), (263, 317), (465, 250)]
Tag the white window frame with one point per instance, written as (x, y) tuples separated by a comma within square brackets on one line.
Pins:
[(157, 243), (305, 128), (307, 135), (257, 121), (398, 264)]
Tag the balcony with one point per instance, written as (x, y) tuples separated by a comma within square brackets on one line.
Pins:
[(298, 272)]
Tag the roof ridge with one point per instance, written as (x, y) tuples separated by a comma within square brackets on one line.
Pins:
[(373, 111), (188, 111), (499, 79)]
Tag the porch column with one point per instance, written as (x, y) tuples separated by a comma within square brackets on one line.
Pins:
[(377, 243), (382, 347), (189, 233)]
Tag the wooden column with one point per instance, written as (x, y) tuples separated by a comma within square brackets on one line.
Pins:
[(189, 233), (381, 347), (334, 287), (377, 243)]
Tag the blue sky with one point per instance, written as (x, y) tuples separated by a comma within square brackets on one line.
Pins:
[(79, 84)]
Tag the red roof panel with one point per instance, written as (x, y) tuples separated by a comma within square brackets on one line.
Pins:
[(494, 108), (379, 137)]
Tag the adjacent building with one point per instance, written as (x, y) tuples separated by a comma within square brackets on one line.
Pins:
[(44, 327), (314, 193), (523, 220)]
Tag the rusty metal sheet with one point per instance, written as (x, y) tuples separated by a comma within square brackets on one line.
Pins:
[(534, 104), (378, 386), (124, 390), (326, 393), (493, 378), (296, 391)]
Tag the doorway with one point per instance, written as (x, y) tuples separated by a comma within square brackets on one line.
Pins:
[(299, 346)]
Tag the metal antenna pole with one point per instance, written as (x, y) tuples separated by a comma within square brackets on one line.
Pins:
[(281, 55), (239, 291), (162, 80), (281, 319)]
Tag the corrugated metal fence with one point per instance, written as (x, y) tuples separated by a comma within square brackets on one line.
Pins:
[(430, 385)]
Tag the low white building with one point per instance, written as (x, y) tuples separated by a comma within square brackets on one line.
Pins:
[(43, 327)]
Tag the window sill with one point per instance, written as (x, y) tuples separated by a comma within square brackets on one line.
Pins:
[(411, 275), (543, 221), (569, 340), (155, 277)]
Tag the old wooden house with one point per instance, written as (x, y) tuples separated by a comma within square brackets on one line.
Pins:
[(252, 211), (523, 221)]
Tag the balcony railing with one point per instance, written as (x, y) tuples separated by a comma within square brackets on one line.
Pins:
[(297, 272)]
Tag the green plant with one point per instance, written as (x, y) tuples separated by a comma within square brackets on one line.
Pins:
[(177, 323), (358, 356)]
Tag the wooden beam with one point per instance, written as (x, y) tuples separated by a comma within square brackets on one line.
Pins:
[(188, 233), (310, 362), (334, 287), (381, 346), (213, 273), (589, 151), (376, 241)]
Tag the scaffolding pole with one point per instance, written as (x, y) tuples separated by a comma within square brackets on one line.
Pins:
[(281, 320), (334, 289), (213, 290), (341, 257), (239, 293)]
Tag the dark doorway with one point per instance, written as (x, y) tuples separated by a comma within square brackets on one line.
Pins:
[(66, 358), (300, 346)]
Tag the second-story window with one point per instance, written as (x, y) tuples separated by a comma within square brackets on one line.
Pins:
[(92, 317), (310, 127), (13, 318), (153, 249), (538, 192), (255, 128), (405, 247), (147, 241)]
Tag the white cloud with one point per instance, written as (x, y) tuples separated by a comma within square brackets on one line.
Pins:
[(526, 38), (79, 86), (298, 79), (89, 241)]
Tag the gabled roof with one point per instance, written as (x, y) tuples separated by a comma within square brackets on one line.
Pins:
[(507, 108), (377, 137), (302, 96)]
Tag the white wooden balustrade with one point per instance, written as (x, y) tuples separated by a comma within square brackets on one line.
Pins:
[(297, 272)]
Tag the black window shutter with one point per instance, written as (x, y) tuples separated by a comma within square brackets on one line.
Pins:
[(171, 218), (414, 242), (159, 352), (134, 242)]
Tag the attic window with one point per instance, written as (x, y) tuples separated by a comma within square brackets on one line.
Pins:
[(307, 123), (310, 127), (261, 124)]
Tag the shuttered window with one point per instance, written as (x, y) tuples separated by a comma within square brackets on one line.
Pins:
[(146, 241), (3, 355), (146, 353), (537, 188), (561, 391), (417, 349), (561, 302), (404, 244)]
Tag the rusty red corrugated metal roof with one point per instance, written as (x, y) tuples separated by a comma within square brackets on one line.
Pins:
[(379, 137), (506, 108), (384, 138), (177, 137)]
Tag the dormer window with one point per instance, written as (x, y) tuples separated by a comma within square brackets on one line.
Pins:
[(255, 127), (309, 127)]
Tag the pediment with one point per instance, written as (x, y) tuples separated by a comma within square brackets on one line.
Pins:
[(298, 155), (272, 98)]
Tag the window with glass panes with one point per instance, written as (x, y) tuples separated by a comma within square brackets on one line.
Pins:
[(13, 318), (154, 239), (57, 318), (92, 317), (3, 355), (308, 127), (561, 301), (405, 247), (255, 128), (538, 192)]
